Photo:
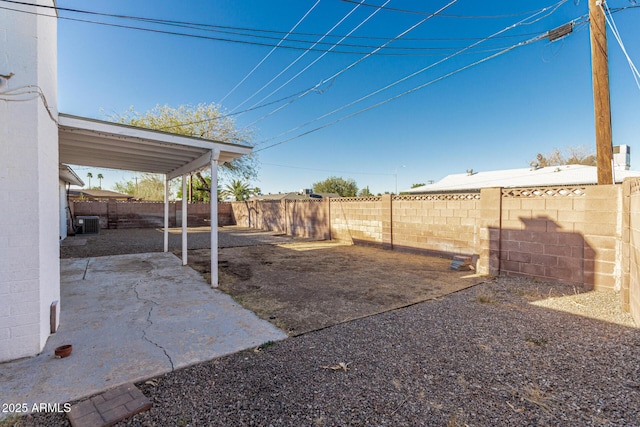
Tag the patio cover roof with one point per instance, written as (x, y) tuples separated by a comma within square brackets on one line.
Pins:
[(97, 143), (89, 142)]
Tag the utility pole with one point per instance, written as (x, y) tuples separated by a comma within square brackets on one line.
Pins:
[(601, 101)]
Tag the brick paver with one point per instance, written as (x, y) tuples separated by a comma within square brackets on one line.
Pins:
[(108, 408)]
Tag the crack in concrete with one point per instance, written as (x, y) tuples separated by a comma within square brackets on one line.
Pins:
[(86, 268), (150, 323)]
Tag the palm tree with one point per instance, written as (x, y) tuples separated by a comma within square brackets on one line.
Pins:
[(89, 175), (238, 190), (100, 177)]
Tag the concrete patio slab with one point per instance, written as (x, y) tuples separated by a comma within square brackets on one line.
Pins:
[(130, 317)]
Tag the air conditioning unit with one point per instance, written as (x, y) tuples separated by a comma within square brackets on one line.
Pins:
[(87, 225)]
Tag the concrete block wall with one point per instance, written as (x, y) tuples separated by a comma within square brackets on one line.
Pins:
[(300, 218), (567, 234), (443, 223), (123, 215), (308, 218), (360, 220), (631, 289), (270, 215)]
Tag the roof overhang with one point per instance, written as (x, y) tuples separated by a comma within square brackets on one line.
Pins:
[(67, 175), (90, 142)]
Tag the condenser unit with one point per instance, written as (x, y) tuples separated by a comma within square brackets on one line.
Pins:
[(87, 225)]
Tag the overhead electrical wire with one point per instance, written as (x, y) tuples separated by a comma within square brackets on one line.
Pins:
[(389, 51), (616, 34), (301, 56), (358, 61), (422, 86), (444, 15), (149, 20), (364, 21), (277, 34), (229, 40), (523, 22), (410, 76), (273, 49)]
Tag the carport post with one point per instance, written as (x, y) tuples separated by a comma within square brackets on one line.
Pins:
[(184, 219), (166, 213), (215, 155)]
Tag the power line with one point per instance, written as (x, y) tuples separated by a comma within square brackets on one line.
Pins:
[(388, 51), (422, 86), (271, 51), (353, 64), (364, 21), (300, 56), (416, 12)]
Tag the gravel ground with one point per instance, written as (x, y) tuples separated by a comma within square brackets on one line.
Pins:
[(508, 352)]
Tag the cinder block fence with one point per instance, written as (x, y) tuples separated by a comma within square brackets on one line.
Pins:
[(585, 235)]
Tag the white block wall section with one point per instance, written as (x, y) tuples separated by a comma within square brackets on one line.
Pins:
[(29, 243)]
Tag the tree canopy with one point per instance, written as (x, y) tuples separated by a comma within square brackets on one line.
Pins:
[(148, 187), (365, 192), (569, 156), (201, 121), (334, 184), (238, 190)]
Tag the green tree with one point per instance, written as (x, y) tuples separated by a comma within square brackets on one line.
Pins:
[(365, 192), (201, 189), (89, 175), (238, 190), (201, 121), (149, 187), (334, 184), (571, 155), (417, 185), (100, 178)]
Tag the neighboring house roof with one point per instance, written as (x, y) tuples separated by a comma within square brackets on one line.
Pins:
[(294, 196), (67, 175), (525, 177), (100, 195)]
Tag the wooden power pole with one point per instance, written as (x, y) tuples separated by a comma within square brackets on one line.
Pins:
[(601, 101)]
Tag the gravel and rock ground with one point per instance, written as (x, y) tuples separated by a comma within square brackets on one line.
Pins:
[(507, 352)]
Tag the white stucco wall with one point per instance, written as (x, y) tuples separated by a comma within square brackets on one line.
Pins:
[(29, 204)]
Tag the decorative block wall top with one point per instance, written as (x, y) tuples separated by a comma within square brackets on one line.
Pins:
[(544, 192), (440, 196), (635, 186), (355, 199)]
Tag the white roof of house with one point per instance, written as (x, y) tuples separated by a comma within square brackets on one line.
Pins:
[(525, 177)]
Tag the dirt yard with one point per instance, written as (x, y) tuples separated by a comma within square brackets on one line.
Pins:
[(306, 286)]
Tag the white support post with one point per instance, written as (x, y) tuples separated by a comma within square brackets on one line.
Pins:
[(215, 154), (184, 219), (166, 213)]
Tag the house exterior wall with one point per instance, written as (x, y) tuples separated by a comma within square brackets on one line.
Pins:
[(29, 244)]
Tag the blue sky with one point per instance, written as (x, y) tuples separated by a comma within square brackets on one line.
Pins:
[(495, 115)]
